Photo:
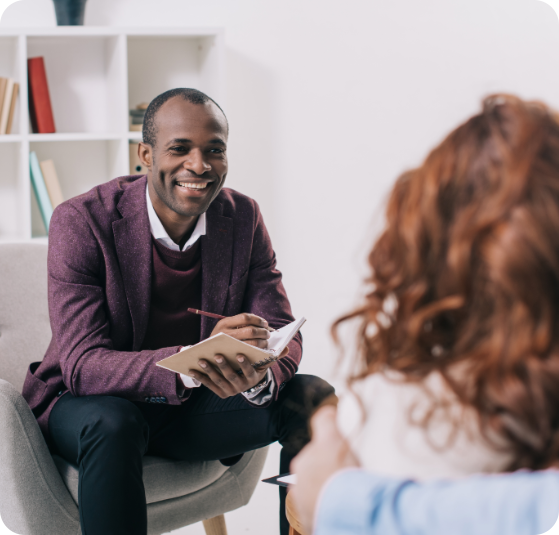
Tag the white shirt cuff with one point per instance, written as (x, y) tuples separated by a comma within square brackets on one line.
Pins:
[(259, 398), (189, 382)]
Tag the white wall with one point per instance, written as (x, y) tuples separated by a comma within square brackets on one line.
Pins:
[(329, 101)]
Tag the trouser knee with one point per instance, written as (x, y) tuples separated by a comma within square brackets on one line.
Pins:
[(116, 427), (305, 393)]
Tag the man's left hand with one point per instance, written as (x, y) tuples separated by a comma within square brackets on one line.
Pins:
[(327, 453), (226, 382)]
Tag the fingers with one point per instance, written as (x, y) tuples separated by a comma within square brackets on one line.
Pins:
[(229, 382), (207, 382), (262, 344), (250, 332), (248, 371), (240, 320)]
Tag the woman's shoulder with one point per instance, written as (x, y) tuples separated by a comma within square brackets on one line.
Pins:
[(415, 429)]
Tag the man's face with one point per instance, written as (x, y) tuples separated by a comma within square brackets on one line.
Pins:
[(188, 163)]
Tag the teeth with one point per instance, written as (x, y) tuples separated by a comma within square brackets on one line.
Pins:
[(191, 185)]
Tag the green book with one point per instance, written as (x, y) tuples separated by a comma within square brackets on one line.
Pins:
[(40, 189)]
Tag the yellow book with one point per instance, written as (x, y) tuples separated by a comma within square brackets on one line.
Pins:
[(52, 183), (12, 109), (6, 105), (3, 84)]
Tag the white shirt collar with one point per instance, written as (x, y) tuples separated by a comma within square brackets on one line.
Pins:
[(159, 233)]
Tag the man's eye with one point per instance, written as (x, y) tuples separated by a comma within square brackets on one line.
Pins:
[(217, 151), (178, 149)]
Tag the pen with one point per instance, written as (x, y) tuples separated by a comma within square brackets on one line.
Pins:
[(216, 316)]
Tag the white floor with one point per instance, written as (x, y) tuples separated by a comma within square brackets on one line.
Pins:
[(260, 516)]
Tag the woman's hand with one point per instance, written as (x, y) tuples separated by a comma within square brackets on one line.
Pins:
[(327, 453)]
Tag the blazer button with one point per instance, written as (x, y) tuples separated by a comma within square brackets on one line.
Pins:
[(157, 400), (163, 400), (146, 400), (60, 393), (152, 400)]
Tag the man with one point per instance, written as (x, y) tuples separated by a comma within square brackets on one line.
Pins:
[(126, 261), (334, 497)]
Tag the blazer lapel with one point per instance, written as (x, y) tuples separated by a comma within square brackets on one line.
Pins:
[(217, 257), (132, 236)]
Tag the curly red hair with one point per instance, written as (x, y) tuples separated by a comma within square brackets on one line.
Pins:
[(465, 275)]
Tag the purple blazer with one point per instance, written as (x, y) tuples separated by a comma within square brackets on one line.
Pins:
[(99, 285)]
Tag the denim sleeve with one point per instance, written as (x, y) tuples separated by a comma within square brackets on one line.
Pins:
[(355, 502)]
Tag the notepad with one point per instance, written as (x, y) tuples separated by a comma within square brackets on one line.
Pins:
[(230, 347)]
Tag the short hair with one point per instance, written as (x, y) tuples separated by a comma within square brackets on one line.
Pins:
[(149, 129)]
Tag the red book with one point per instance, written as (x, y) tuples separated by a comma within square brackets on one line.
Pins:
[(40, 109)]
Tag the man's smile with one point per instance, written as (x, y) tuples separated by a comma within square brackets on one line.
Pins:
[(193, 185), (188, 188)]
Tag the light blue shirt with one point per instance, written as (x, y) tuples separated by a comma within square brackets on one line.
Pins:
[(356, 502)]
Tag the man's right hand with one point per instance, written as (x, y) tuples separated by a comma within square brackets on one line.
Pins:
[(246, 327)]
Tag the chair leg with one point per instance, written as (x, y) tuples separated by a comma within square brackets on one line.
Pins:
[(215, 526)]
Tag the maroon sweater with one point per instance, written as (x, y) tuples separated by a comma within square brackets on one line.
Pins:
[(176, 285)]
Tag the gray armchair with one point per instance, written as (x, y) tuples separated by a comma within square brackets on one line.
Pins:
[(39, 491)]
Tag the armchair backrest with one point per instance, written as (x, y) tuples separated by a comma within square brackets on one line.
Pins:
[(24, 320)]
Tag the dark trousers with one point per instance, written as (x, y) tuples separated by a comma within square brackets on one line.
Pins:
[(108, 436)]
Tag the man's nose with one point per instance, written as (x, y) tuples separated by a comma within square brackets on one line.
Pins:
[(197, 163)]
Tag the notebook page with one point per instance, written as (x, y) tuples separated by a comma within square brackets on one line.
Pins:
[(280, 338)]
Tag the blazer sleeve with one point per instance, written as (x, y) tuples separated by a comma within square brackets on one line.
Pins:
[(89, 362), (265, 296)]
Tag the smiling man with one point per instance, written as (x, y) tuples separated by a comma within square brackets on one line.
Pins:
[(126, 261)]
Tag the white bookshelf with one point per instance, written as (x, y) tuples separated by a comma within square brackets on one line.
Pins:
[(95, 76)]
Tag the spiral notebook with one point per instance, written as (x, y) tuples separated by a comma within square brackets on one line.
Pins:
[(230, 347)]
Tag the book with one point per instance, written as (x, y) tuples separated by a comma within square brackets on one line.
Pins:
[(3, 85), (40, 109), (52, 183), (40, 189), (6, 105), (230, 347), (12, 109)]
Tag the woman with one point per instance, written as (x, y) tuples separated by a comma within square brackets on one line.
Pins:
[(457, 368)]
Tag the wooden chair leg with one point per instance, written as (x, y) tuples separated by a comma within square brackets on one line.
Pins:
[(215, 525)]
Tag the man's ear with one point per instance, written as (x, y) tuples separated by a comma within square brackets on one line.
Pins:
[(145, 154)]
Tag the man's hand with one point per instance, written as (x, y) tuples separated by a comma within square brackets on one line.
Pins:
[(219, 376), (326, 454), (228, 383), (246, 327)]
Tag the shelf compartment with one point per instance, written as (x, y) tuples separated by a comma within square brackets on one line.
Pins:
[(85, 77), (11, 217), (159, 63), (9, 68), (80, 166)]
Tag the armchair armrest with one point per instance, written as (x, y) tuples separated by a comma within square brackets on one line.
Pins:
[(33, 499)]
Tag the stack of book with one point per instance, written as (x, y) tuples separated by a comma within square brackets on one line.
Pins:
[(137, 117), (46, 187), (8, 97)]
